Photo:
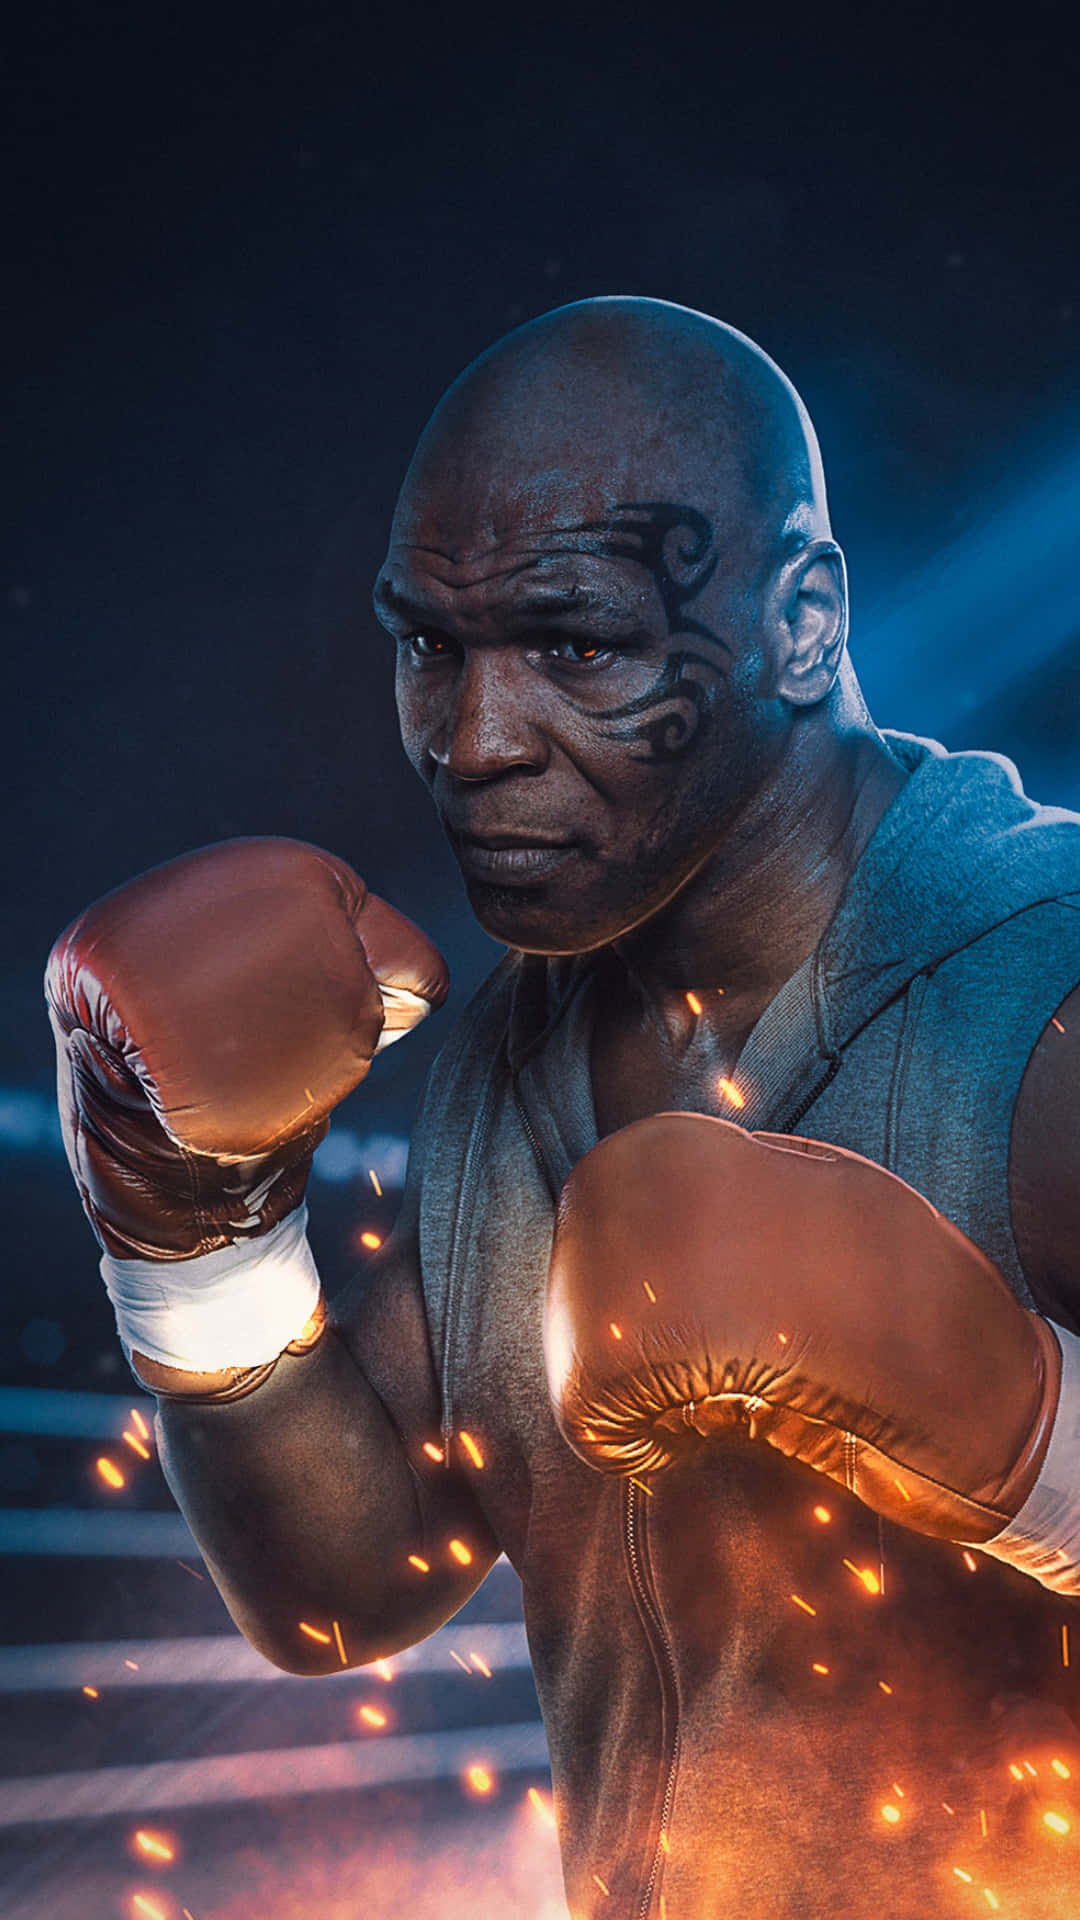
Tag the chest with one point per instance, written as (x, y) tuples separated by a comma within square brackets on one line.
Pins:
[(638, 1069)]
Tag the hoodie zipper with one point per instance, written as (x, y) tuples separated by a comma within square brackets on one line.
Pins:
[(664, 1659)]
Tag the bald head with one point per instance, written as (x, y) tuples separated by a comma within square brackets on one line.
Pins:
[(609, 401)]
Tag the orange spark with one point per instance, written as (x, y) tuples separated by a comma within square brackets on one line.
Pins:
[(91, 1693), (616, 1331), (479, 1779), (1034, 1772), (693, 1003), (542, 1806), (1017, 1772), (641, 1485), (471, 1448), (339, 1642), (146, 1906), (384, 1670), (139, 1423), (132, 1440), (463, 1664), (133, 1664), (1056, 1822), (782, 1337), (970, 1562), (372, 1716), (1061, 1769), (885, 1687), (371, 1241), (961, 1875), (730, 1092), (480, 1665), (805, 1605), (374, 1178), (153, 1846), (315, 1633), (947, 1807), (433, 1452), (421, 1565), (982, 1821), (822, 1514), (1064, 1643), (187, 1569), (890, 1813), (866, 1574), (1055, 1022), (899, 1791), (462, 1554), (991, 1900), (900, 1487), (110, 1472), (649, 1292), (818, 1668), (600, 1884)]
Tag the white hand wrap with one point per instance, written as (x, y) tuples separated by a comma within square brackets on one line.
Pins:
[(402, 1011), (1044, 1538), (238, 1307)]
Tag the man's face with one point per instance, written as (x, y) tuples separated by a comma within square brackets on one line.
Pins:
[(586, 699)]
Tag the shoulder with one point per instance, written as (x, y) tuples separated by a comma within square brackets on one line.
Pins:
[(1044, 1165)]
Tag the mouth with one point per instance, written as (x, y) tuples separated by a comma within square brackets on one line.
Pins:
[(508, 856)]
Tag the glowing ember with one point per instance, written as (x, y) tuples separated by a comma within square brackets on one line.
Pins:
[(110, 1472), (970, 1562), (315, 1633), (339, 1642), (479, 1779), (822, 1514), (463, 1664), (867, 1575), (371, 1241), (665, 1843), (371, 1716), (542, 1806), (649, 1292), (947, 1808), (139, 1423), (899, 1791), (91, 1693), (782, 1337), (1017, 1772), (471, 1449), (1055, 1022), (641, 1486), (433, 1452), (1056, 1822), (132, 1440), (421, 1565), (480, 1665), (1061, 1769), (384, 1670), (600, 1884), (152, 1846), (730, 1092), (1064, 1643), (187, 1569), (804, 1604), (1034, 1771), (693, 1003), (885, 1687), (991, 1900), (462, 1554), (374, 1178), (147, 1908), (901, 1489), (133, 1664), (616, 1331), (890, 1814), (818, 1668), (965, 1877), (982, 1822)]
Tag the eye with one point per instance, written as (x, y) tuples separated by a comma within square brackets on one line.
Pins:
[(580, 652), (428, 646)]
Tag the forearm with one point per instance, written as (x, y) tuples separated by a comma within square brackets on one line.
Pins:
[(307, 1506)]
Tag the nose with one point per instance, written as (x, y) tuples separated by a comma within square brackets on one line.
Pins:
[(489, 728)]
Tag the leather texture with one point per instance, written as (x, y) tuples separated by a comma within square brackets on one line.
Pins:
[(704, 1279)]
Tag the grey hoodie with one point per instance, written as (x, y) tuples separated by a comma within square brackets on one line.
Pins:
[(728, 1706)]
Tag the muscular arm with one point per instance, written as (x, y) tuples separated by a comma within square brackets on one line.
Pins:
[(308, 1496), (1044, 1168)]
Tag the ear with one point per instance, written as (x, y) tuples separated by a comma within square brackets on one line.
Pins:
[(807, 616)]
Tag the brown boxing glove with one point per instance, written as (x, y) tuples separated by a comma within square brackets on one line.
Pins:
[(704, 1278), (208, 1016)]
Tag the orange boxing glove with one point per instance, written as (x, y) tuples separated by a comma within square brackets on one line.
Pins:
[(208, 1016), (704, 1278)]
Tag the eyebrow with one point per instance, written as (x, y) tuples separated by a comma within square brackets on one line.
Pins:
[(544, 603)]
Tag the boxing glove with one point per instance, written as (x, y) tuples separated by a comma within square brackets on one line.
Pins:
[(703, 1278), (208, 1016)]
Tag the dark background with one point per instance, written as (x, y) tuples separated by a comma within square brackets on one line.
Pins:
[(244, 256)]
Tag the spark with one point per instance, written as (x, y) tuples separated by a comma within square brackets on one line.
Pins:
[(970, 1562), (901, 1489), (782, 1337), (1055, 1022), (1061, 1769), (143, 1904), (421, 1565), (433, 1452), (1064, 1643), (479, 1779), (471, 1448), (139, 1423), (132, 1440), (463, 1664), (154, 1845), (664, 1841), (110, 1472), (371, 1241), (92, 1693), (600, 1884), (818, 1668), (339, 1642), (384, 1670), (991, 1900), (187, 1569), (1017, 1772), (967, 1878), (822, 1514), (372, 1716), (374, 1178), (309, 1096), (982, 1822), (616, 1331), (885, 1687), (890, 1813), (462, 1554), (649, 1292), (805, 1605), (640, 1484), (693, 1003), (899, 1791), (1056, 1822), (542, 1806), (480, 1665), (315, 1633), (948, 1809), (730, 1092), (1034, 1772), (133, 1664), (866, 1574)]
